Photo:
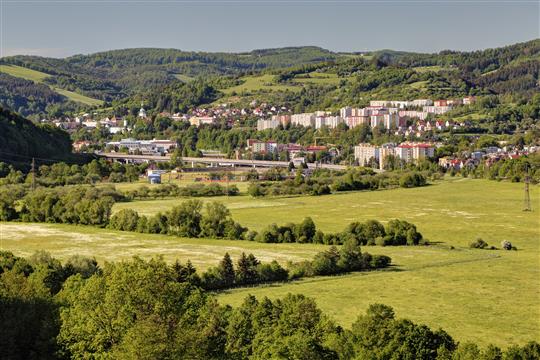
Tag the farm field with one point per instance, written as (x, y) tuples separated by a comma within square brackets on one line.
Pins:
[(478, 295), (38, 76), (454, 211)]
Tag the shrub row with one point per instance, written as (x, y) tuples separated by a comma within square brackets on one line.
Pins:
[(370, 232), (76, 205), (185, 220), (168, 190), (325, 183), (250, 271)]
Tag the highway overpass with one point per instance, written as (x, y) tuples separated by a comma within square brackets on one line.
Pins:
[(217, 162)]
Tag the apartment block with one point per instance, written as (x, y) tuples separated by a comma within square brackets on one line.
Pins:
[(363, 153), (267, 124), (329, 121), (305, 119)]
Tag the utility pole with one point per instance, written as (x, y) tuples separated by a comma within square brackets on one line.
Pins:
[(527, 200), (33, 174), (227, 177)]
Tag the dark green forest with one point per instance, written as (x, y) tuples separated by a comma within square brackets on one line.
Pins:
[(21, 139)]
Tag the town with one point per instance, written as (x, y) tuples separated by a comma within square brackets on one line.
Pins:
[(413, 120)]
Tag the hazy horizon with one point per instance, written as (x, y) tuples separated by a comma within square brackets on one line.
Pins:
[(35, 52), (57, 28)]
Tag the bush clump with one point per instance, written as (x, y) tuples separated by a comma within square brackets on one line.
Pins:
[(479, 243)]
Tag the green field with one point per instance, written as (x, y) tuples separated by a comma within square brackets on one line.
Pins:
[(319, 79), (262, 82), (39, 77), (433, 68), (419, 85), (22, 72), (479, 295), (64, 241), (453, 211), (183, 78)]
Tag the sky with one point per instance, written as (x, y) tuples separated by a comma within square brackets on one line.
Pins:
[(62, 28)]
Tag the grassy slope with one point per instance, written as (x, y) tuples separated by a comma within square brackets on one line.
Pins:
[(39, 77), (24, 73), (263, 82), (183, 78), (318, 78), (479, 295)]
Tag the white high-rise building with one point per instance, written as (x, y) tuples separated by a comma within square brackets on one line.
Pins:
[(267, 124), (305, 119), (363, 153)]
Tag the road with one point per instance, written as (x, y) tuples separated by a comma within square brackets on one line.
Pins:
[(217, 161)]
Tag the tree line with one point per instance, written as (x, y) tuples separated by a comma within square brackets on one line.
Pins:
[(93, 206), (326, 182), (139, 309), (371, 232), (250, 271)]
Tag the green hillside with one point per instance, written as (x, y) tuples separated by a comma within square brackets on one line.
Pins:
[(20, 140), (317, 78), (40, 77)]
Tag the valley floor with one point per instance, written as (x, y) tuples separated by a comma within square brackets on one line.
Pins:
[(486, 296)]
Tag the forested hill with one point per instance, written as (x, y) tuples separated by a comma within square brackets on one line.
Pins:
[(112, 74), (142, 73), (21, 139)]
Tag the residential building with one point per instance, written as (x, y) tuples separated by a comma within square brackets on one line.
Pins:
[(258, 146), (267, 124), (469, 100), (283, 119), (422, 102), (438, 110), (439, 103), (415, 151), (363, 153), (384, 151), (422, 115), (329, 121), (305, 119), (145, 147), (201, 120), (388, 121), (353, 121), (345, 112)]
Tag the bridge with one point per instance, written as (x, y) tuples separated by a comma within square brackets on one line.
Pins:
[(215, 162)]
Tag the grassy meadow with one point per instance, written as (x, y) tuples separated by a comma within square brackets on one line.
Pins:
[(479, 295), (261, 82), (318, 78), (39, 77), (454, 211), (63, 241)]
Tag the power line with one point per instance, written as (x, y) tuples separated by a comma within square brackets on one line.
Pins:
[(527, 200), (32, 157), (33, 174)]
